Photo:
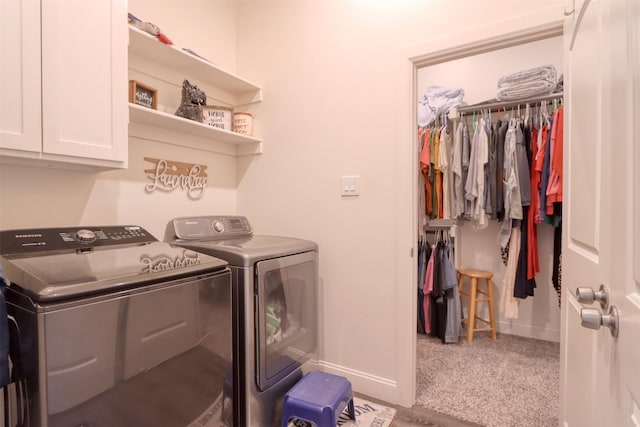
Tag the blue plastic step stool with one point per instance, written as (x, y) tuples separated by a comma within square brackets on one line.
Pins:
[(319, 398)]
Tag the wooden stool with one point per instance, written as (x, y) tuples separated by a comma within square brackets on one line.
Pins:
[(470, 321)]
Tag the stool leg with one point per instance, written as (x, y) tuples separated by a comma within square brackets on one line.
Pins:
[(352, 410), (461, 291), (471, 321), (491, 313)]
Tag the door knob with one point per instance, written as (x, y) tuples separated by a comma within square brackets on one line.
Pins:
[(588, 296), (592, 318)]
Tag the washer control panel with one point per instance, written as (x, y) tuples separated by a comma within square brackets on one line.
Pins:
[(14, 242), (211, 227)]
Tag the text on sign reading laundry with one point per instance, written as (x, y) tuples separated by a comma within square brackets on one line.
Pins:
[(169, 175)]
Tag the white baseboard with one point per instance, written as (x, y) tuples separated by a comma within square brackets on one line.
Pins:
[(377, 387), (529, 331), (387, 390)]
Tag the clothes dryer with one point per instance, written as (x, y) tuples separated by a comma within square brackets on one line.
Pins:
[(275, 281)]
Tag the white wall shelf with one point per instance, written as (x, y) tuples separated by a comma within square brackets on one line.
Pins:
[(170, 124), (144, 45), (156, 59)]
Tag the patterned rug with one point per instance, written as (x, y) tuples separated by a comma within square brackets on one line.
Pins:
[(368, 414)]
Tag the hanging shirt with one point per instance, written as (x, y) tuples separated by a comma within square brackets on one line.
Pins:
[(554, 187), (482, 159), (544, 175), (524, 176), (437, 182), (533, 261), (508, 303), (454, 309), (515, 209), (492, 202), (445, 155), (456, 169), (539, 166), (425, 157), (427, 289), (523, 287), (500, 179), (471, 185), (512, 202), (466, 155), (425, 165), (421, 184)]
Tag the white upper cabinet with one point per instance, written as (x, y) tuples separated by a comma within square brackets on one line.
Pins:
[(164, 67), (20, 107), (69, 108)]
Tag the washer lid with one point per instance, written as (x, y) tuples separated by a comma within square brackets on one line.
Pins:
[(244, 252), (51, 272)]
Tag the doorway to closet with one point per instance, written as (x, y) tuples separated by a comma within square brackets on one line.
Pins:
[(476, 68)]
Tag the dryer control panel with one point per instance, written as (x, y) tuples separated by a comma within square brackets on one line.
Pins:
[(210, 227)]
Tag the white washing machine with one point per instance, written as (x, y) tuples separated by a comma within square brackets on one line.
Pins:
[(275, 286)]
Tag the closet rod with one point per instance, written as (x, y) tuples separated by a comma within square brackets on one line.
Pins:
[(493, 106)]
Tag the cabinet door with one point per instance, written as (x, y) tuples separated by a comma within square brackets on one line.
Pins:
[(84, 78), (20, 124)]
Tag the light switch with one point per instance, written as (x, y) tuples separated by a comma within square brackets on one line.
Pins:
[(350, 185)]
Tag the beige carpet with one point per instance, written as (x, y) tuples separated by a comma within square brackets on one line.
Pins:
[(511, 382)]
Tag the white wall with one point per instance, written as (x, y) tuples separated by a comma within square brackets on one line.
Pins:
[(339, 100), (478, 75)]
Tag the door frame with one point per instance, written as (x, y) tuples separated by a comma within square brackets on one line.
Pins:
[(546, 24)]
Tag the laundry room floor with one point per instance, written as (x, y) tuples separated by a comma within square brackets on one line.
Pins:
[(417, 416), (511, 381)]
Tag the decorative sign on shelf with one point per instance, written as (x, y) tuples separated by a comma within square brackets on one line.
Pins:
[(218, 117), (142, 94), (169, 175)]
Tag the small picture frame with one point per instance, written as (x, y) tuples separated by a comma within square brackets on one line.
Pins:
[(141, 94), (218, 117)]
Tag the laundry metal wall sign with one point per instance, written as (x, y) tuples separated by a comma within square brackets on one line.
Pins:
[(165, 262), (169, 175)]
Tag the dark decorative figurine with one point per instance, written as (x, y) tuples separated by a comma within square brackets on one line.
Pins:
[(192, 101)]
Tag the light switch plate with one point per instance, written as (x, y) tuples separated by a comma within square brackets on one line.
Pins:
[(350, 185)]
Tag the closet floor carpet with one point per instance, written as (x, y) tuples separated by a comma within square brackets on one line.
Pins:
[(513, 381)]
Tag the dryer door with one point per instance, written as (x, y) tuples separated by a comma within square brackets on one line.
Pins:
[(286, 319)]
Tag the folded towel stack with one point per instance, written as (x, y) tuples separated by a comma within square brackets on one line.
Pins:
[(438, 100), (536, 81)]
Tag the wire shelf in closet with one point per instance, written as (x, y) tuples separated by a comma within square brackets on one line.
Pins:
[(493, 105), (440, 224)]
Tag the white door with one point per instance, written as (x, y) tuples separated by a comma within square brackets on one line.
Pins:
[(600, 373)]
